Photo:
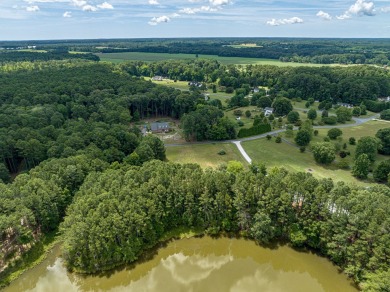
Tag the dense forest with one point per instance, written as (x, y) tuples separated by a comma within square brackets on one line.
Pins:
[(322, 51), (77, 164)]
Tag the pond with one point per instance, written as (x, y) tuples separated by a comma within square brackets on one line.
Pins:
[(198, 264)]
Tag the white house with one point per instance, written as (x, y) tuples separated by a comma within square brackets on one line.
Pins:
[(268, 111)]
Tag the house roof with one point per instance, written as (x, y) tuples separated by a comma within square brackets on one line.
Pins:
[(159, 126), (268, 109)]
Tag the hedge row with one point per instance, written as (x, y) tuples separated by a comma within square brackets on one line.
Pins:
[(255, 130)]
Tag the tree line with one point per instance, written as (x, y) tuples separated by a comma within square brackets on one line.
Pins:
[(119, 213), (31, 56)]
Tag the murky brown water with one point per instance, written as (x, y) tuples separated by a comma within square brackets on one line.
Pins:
[(199, 264)]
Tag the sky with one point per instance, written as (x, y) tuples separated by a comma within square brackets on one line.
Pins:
[(91, 19)]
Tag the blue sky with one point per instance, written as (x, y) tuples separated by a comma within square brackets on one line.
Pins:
[(72, 19)]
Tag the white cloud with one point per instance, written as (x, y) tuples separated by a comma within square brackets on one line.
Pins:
[(33, 8), (344, 16), (79, 3), (196, 10), (385, 9), (360, 8), (67, 14), (324, 15), (153, 2), (219, 2), (89, 8), (157, 20), (45, 1), (105, 5), (277, 22)]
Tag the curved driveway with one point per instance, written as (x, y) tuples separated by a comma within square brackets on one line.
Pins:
[(358, 121)]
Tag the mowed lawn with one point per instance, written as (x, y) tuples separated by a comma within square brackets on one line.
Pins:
[(154, 57), (289, 157), (206, 155)]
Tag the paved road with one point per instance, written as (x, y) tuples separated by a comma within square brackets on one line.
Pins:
[(358, 121)]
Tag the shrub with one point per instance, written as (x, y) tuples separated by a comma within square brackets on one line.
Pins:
[(352, 141), (343, 154), (278, 139), (315, 132), (222, 152), (330, 120), (302, 149), (343, 164), (237, 112), (269, 137), (326, 139), (334, 133)]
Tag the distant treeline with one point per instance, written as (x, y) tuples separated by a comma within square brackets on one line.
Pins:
[(352, 84), (22, 56), (322, 51)]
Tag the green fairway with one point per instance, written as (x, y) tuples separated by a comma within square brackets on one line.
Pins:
[(154, 57), (206, 155)]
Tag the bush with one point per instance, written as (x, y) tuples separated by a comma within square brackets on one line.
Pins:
[(326, 139), (278, 139), (229, 90), (302, 149), (343, 154), (352, 141), (315, 132), (343, 164), (269, 137), (222, 152), (334, 133), (254, 130), (385, 115), (237, 112), (240, 123), (330, 120)]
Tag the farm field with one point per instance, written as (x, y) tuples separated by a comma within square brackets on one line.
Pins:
[(154, 57), (206, 155)]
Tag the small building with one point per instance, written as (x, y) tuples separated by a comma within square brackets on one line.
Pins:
[(268, 111), (159, 127), (157, 78), (256, 90), (385, 99), (347, 105)]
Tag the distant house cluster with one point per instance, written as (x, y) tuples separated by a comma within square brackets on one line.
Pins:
[(195, 83), (347, 105)]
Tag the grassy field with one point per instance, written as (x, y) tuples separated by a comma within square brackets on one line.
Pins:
[(248, 122), (153, 57), (289, 157), (206, 155)]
